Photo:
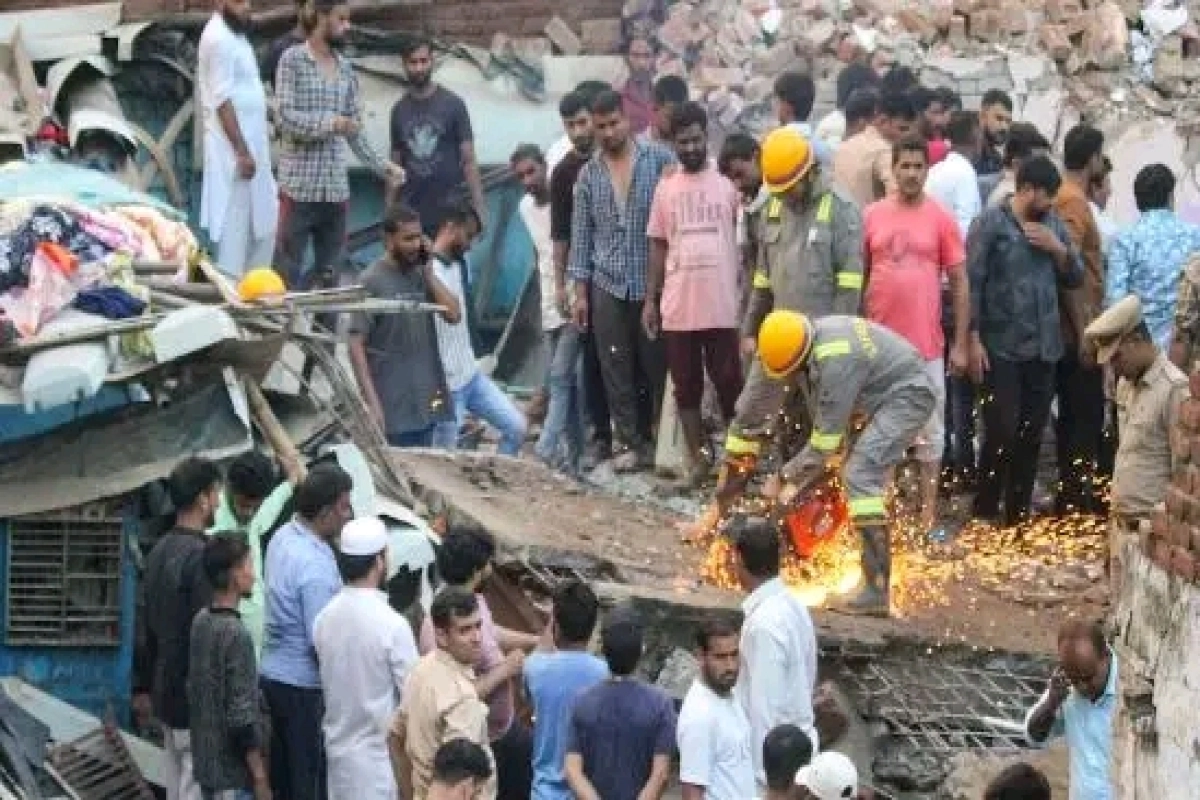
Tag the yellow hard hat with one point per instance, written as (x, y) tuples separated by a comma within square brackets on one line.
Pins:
[(261, 283), (784, 343), (786, 158)]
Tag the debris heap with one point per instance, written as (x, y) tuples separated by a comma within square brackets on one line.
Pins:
[(1125, 55)]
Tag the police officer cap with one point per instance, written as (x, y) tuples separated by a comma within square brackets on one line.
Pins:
[(1108, 329), (365, 536)]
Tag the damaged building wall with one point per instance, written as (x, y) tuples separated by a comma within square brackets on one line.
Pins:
[(471, 21), (1158, 638)]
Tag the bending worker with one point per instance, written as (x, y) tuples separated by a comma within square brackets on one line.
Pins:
[(847, 366), (808, 259)]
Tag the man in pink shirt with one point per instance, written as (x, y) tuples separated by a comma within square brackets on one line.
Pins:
[(692, 285), (909, 243)]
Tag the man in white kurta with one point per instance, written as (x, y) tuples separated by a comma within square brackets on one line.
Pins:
[(365, 650), (239, 205)]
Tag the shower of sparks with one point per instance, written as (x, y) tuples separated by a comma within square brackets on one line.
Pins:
[(1050, 557)]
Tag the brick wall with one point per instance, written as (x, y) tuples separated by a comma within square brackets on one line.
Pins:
[(473, 21), (1174, 540)]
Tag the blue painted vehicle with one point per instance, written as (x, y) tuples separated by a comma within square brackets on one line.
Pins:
[(67, 605)]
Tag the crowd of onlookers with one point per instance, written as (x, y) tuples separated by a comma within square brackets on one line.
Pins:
[(280, 669), (991, 259), (997, 263)]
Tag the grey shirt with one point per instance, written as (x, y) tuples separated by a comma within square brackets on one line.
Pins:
[(402, 351), (222, 694), (1014, 287)]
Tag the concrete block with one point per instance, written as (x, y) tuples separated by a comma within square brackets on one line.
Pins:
[(986, 26), (709, 77), (1054, 39), (560, 33), (600, 36), (1062, 10)]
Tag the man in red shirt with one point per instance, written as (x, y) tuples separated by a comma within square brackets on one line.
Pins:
[(692, 296), (909, 243)]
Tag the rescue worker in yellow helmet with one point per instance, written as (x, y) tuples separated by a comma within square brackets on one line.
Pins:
[(809, 260), (850, 366)]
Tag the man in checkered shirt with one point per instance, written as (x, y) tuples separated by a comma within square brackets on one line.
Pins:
[(319, 114), (608, 263)]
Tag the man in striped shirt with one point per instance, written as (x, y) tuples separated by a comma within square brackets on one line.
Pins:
[(471, 391)]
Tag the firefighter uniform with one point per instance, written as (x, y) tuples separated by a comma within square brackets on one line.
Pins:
[(850, 366), (809, 260)]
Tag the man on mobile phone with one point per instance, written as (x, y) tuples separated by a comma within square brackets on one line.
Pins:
[(1078, 704)]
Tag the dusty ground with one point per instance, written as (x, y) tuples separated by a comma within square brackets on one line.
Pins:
[(989, 589)]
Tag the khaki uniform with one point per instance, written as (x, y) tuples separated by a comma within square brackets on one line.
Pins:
[(440, 704), (1147, 411), (808, 260), (1187, 309), (856, 367)]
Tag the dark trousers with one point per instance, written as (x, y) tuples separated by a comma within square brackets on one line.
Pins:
[(297, 751), (300, 223), (421, 438), (1017, 398), (632, 364), (1079, 434), (959, 454), (514, 763), (595, 398), (690, 353)]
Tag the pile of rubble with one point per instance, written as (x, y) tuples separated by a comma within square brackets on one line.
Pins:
[(1135, 55)]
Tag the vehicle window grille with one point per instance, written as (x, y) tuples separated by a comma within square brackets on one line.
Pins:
[(64, 578)]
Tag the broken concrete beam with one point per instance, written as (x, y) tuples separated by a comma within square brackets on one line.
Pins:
[(560, 33), (600, 36), (1056, 42)]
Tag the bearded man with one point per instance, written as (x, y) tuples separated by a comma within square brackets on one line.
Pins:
[(239, 204), (432, 139)]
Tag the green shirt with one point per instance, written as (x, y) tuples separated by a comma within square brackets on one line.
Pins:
[(252, 609)]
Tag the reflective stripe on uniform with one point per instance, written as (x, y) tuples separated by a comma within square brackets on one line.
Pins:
[(838, 347), (774, 208), (825, 442), (825, 209), (736, 445), (849, 280), (868, 507), (761, 281)]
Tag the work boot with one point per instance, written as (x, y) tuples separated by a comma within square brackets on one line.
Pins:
[(696, 467), (873, 598)]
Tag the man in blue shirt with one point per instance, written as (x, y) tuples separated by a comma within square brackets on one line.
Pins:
[(1148, 257), (622, 731), (301, 578), (554, 678), (1079, 704)]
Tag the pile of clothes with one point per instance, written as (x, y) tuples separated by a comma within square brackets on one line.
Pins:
[(59, 255)]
